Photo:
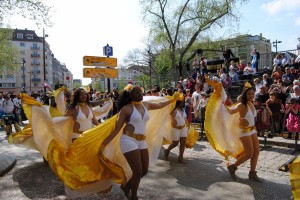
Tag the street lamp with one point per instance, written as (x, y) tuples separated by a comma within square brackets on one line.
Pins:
[(44, 58), (30, 72), (23, 68), (275, 44)]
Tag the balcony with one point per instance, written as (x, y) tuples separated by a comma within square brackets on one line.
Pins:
[(35, 48), (35, 63), (35, 55), (36, 71), (36, 80)]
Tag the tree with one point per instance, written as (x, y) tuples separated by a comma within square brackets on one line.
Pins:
[(77, 85), (122, 84), (9, 54), (180, 23), (32, 9), (35, 10)]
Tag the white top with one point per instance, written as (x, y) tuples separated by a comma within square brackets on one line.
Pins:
[(85, 122), (8, 106)]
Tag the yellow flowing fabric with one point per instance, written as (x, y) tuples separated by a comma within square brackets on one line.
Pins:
[(294, 168), (24, 137), (79, 164), (221, 127)]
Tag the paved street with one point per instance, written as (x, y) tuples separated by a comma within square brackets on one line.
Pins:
[(204, 177)]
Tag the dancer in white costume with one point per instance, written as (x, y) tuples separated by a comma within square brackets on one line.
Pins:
[(134, 113), (248, 134), (179, 130)]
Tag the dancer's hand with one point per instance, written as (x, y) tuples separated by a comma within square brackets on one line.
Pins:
[(102, 147), (174, 97)]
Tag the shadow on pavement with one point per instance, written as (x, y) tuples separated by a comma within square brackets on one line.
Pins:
[(204, 174), (37, 181)]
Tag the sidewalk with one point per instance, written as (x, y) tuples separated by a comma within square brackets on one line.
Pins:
[(7, 158)]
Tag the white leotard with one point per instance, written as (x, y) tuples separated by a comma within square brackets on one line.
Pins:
[(138, 121), (85, 122)]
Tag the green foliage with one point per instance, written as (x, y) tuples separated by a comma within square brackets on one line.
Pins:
[(9, 54), (122, 84), (177, 25), (77, 85), (97, 85), (144, 80)]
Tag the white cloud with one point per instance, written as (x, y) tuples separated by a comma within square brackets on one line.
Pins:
[(297, 21), (277, 6)]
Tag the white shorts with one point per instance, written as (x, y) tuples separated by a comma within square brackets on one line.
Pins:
[(176, 133), (243, 134), (128, 144)]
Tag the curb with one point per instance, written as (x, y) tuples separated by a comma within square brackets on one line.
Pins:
[(7, 162)]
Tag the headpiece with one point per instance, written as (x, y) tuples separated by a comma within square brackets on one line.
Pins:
[(128, 88), (248, 85), (180, 97)]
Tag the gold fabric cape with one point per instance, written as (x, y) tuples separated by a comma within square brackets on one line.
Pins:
[(221, 127), (79, 164), (294, 168)]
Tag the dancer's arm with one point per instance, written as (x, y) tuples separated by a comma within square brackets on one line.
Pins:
[(119, 124), (233, 109)]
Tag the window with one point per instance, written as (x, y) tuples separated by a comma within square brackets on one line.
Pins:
[(1, 76), (35, 85), (35, 46), (9, 76), (30, 37), (20, 35), (22, 44), (7, 85)]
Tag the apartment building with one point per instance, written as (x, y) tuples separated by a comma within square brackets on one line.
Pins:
[(34, 52), (125, 76)]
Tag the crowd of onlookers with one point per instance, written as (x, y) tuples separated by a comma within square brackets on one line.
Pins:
[(277, 94)]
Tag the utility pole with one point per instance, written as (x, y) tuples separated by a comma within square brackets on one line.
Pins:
[(275, 44), (44, 58), (24, 74)]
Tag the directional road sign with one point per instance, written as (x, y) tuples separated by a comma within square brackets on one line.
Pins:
[(100, 73), (99, 61)]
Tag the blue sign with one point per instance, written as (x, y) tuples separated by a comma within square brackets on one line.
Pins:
[(108, 50)]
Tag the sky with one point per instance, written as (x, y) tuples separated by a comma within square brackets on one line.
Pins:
[(83, 28)]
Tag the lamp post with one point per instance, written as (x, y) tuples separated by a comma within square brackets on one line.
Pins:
[(44, 59), (150, 66), (23, 68), (275, 44), (31, 72)]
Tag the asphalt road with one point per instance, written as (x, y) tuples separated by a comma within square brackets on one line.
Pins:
[(204, 177)]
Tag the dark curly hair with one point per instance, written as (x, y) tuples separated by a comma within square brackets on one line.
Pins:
[(75, 101), (244, 95)]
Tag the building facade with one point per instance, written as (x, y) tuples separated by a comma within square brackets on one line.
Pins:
[(34, 75), (125, 76)]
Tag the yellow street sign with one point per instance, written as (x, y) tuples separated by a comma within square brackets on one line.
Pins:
[(99, 61), (100, 73)]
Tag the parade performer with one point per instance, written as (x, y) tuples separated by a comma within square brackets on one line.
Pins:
[(134, 113), (79, 165), (295, 177), (179, 130), (235, 135)]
